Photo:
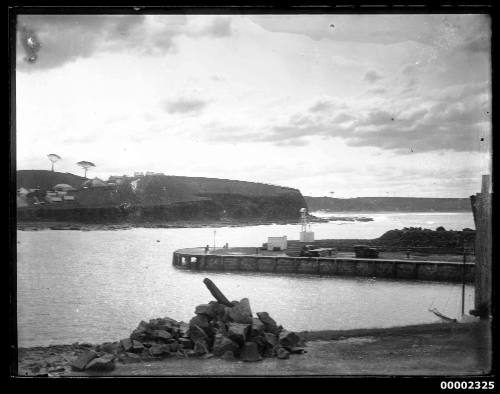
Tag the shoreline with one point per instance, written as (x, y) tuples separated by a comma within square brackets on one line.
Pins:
[(381, 350), (71, 225)]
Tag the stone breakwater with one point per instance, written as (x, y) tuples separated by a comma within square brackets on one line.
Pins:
[(225, 330), (195, 259)]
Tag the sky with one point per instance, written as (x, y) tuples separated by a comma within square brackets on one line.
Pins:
[(333, 105)]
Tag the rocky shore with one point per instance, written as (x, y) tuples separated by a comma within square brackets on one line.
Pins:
[(430, 349), (60, 225), (222, 328)]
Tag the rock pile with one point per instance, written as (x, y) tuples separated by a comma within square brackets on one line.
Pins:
[(220, 328)]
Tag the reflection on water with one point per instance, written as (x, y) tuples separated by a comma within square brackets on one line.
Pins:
[(96, 286)]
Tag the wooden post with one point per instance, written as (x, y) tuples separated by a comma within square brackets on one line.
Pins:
[(218, 295), (481, 207)]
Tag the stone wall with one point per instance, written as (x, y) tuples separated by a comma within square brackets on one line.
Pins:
[(396, 269)]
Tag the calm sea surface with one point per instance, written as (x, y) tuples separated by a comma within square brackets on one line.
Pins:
[(95, 286)]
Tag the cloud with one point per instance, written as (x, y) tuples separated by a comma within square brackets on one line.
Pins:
[(372, 76), (220, 27), (65, 38), (185, 106), (453, 119)]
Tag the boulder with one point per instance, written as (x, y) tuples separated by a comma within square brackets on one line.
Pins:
[(223, 344), (137, 347), (288, 339), (200, 321), (218, 310), (109, 347), (126, 344), (200, 348), (162, 335), (249, 352), (104, 363), (174, 346), (205, 309), (238, 332), (142, 332), (296, 350), (166, 324), (159, 350), (257, 326), (269, 323), (82, 360), (229, 355), (196, 333), (186, 343), (271, 339), (282, 354), (241, 312)]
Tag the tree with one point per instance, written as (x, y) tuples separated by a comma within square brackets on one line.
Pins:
[(85, 165), (53, 158)]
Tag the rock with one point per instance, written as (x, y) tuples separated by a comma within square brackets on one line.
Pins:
[(82, 360), (229, 355), (282, 354), (257, 326), (241, 312), (200, 321), (260, 341), (200, 348), (249, 352), (271, 339), (109, 347), (126, 344), (196, 333), (174, 346), (269, 323), (238, 332), (162, 334), (186, 343), (296, 350), (223, 344), (159, 350), (218, 310), (104, 363), (205, 309), (288, 339), (137, 347), (165, 323), (141, 332)]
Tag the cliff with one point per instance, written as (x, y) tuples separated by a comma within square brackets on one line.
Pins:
[(379, 204)]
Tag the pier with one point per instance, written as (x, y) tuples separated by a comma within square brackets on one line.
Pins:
[(196, 259)]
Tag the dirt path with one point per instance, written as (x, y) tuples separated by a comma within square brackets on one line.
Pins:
[(443, 349)]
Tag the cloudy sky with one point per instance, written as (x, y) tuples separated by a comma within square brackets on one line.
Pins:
[(334, 105)]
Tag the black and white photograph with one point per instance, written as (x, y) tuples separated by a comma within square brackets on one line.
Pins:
[(252, 193)]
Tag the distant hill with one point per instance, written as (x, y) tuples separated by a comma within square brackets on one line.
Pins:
[(31, 179), (378, 204), (161, 197)]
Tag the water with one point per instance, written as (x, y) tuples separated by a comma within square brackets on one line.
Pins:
[(96, 286)]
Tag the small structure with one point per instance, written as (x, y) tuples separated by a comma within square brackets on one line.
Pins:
[(96, 182), (277, 243), (63, 187), (305, 236)]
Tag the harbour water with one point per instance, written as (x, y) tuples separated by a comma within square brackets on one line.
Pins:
[(95, 286)]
